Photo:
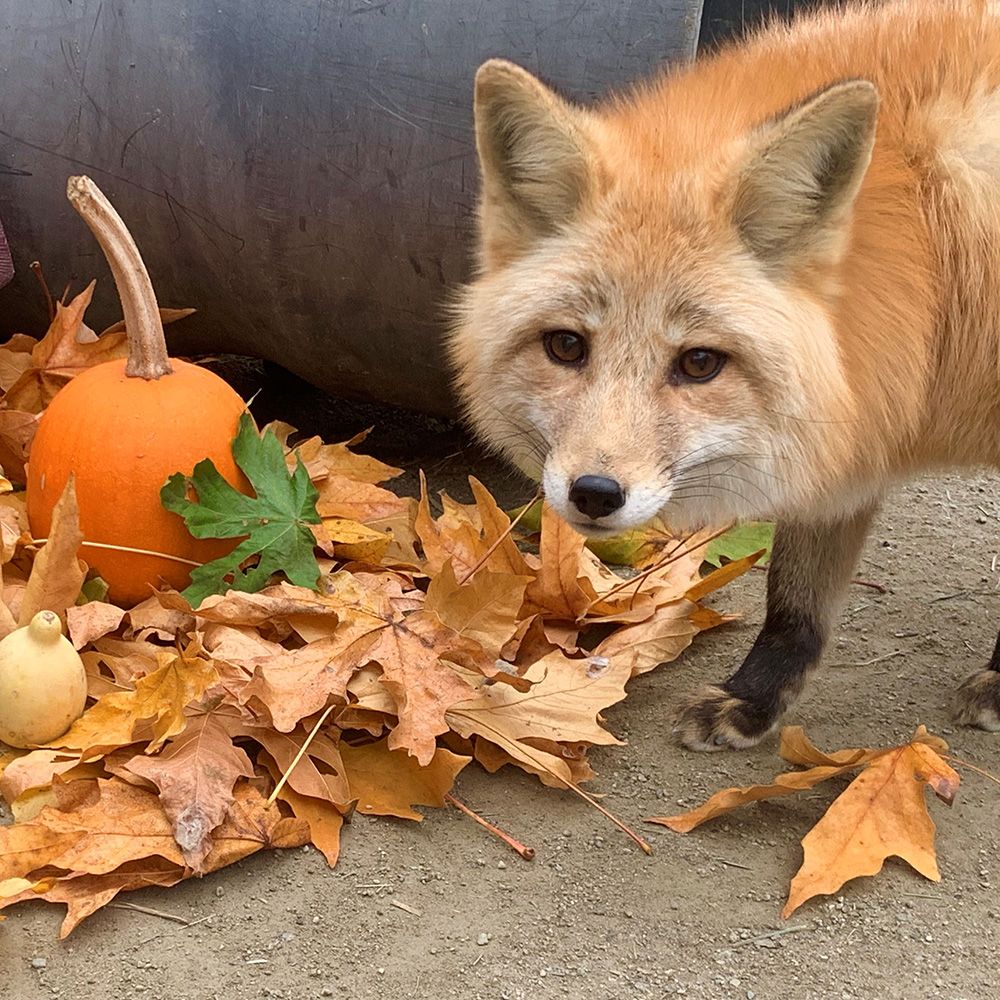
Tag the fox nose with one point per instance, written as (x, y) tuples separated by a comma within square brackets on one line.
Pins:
[(596, 496)]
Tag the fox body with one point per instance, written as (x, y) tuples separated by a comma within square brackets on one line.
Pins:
[(765, 284)]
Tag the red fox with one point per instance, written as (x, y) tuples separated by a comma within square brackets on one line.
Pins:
[(765, 284)]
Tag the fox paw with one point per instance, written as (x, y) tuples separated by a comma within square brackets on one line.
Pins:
[(713, 719), (977, 702)]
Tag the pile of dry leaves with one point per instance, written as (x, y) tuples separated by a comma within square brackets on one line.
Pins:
[(265, 720)]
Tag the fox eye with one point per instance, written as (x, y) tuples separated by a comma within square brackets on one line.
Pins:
[(700, 364), (565, 347)]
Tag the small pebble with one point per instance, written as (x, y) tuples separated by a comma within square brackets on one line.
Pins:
[(483, 939), (38, 963)]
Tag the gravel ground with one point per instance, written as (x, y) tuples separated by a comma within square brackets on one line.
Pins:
[(442, 910)]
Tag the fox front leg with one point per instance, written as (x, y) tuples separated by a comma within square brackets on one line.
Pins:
[(978, 700), (810, 568)]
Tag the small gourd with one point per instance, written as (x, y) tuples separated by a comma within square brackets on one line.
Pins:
[(43, 687), (122, 428)]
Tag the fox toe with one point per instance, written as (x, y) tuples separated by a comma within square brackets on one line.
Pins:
[(977, 702), (713, 719)]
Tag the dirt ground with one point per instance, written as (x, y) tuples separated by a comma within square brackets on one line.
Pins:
[(443, 910)]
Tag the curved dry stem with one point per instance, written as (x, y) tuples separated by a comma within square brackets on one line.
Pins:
[(147, 349)]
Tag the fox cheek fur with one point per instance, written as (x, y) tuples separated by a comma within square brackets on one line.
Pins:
[(818, 207)]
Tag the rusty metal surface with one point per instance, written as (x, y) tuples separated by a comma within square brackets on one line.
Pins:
[(301, 171)]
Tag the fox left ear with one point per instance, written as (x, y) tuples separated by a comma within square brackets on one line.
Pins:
[(794, 196), (533, 153)]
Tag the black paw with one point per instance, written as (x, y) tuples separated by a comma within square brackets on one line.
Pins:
[(977, 702), (714, 719)]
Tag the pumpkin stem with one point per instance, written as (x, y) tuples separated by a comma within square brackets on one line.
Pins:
[(147, 349)]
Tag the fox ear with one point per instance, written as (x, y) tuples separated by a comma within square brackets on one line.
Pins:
[(794, 196), (532, 152)]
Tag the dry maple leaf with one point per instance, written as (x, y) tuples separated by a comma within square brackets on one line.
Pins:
[(485, 609), (17, 431), (153, 712), (467, 534), (68, 348), (562, 705), (122, 839), (56, 575), (422, 685), (659, 639), (390, 783), (195, 774), (90, 621), (882, 813), (296, 683)]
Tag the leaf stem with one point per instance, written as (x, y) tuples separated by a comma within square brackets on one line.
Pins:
[(972, 767), (147, 348), (489, 552), (126, 548), (528, 853), (302, 749), (662, 564)]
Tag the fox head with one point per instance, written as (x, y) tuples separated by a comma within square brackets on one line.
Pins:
[(650, 329)]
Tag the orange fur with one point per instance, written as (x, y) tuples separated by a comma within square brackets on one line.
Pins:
[(864, 351)]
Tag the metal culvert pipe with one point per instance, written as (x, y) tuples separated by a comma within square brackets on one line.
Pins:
[(301, 172)]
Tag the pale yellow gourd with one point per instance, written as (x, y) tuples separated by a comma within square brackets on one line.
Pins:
[(43, 687)]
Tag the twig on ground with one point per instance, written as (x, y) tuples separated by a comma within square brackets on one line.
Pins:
[(152, 913), (871, 662), (780, 932)]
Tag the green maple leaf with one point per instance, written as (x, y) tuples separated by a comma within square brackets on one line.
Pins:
[(272, 524), (742, 540)]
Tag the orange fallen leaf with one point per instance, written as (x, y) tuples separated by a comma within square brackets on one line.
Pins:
[(882, 813), (152, 712), (390, 782)]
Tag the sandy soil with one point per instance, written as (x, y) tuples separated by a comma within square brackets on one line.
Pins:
[(592, 917)]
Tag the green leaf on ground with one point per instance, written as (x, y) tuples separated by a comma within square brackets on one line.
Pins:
[(273, 524), (742, 540)]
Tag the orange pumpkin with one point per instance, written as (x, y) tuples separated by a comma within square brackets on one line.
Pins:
[(123, 427)]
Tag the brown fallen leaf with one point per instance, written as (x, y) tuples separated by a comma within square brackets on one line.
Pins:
[(296, 683), (485, 609), (85, 894), (556, 591), (127, 824), (318, 773), (35, 769), (57, 574), (17, 431), (422, 685), (153, 712), (323, 819), (68, 348), (659, 639), (882, 813), (90, 621), (195, 774), (563, 705), (390, 782), (322, 460), (340, 496)]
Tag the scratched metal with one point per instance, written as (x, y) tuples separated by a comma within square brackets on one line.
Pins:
[(301, 171)]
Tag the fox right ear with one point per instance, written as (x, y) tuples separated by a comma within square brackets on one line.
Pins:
[(795, 195), (532, 153)]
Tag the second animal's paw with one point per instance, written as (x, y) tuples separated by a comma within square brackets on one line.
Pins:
[(977, 702), (714, 719)]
